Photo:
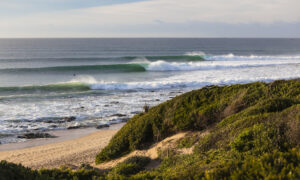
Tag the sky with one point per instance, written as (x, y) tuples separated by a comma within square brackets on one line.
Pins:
[(149, 18)]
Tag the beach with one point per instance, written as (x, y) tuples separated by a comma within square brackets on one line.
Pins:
[(76, 93), (69, 149), (149, 89)]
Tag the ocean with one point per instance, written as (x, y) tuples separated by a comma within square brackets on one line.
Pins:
[(54, 84)]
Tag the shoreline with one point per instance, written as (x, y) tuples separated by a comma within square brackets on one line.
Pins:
[(71, 148), (60, 136)]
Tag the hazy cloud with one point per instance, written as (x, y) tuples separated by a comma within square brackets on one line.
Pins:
[(150, 13)]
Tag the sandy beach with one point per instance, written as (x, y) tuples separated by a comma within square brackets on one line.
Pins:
[(68, 149)]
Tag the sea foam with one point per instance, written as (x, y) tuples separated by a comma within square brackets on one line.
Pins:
[(233, 57), (209, 65)]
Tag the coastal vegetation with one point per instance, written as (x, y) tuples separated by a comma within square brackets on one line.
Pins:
[(242, 131)]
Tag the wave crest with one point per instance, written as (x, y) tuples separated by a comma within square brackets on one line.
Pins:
[(233, 57), (210, 65)]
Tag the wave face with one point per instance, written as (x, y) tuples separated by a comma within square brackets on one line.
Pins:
[(59, 87), (144, 64), (102, 68), (86, 62)]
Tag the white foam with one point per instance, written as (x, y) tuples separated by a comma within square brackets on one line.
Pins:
[(209, 65), (84, 79), (197, 79), (232, 57), (195, 53)]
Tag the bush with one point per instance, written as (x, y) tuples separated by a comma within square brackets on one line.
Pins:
[(10, 171), (275, 165), (130, 166), (198, 110)]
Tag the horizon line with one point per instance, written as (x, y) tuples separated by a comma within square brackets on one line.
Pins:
[(149, 37)]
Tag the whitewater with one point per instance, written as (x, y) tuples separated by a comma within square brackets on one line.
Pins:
[(43, 84)]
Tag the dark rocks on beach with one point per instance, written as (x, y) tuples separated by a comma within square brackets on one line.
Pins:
[(36, 135), (115, 102), (63, 120), (23, 126), (69, 119), (75, 127), (175, 92), (102, 126), (53, 126), (118, 120), (125, 119), (50, 121), (136, 112), (118, 115)]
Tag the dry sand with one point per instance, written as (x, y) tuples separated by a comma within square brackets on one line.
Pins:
[(152, 152), (72, 152), (80, 150)]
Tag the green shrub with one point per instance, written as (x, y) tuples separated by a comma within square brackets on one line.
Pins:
[(198, 110), (10, 171), (187, 142), (244, 142), (130, 166), (275, 165)]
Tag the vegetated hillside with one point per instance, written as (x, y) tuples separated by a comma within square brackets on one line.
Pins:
[(228, 110), (249, 131)]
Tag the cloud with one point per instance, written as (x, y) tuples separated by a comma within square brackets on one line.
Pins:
[(152, 12)]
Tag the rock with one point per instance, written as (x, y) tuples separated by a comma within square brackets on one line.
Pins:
[(136, 112), (125, 119), (50, 121), (74, 127), (118, 115), (102, 126), (114, 102), (118, 120), (114, 122), (58, 120), (69, 119), (23, 126), (36, 135)]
